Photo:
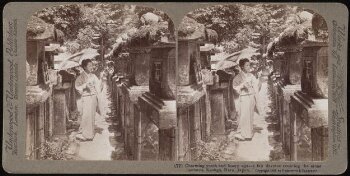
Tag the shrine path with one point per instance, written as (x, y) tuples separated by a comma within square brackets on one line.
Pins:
[(259, 148), (106, 143)]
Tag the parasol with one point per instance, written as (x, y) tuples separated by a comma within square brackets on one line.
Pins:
[(88, 53), (76, 59), (232, 59), (68, 64), (225, 64)]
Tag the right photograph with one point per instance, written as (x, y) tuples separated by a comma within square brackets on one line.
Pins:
[(252, 84)]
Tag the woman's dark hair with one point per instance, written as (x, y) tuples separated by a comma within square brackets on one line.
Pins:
[(85, 62), (242, 62)]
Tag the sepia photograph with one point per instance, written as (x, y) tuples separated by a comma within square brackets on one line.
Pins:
[(100, 83), (252, 84), (239, 82), (175, 88)]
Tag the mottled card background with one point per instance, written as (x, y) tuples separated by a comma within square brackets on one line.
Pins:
[(19, 12)]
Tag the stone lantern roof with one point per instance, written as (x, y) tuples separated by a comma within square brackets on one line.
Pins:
[(312, 28), (38, 29), (148, 34), (190, 29)]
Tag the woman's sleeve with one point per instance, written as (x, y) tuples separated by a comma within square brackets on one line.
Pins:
[(237, 84), (98, 84), (257, 83), (80, 85)]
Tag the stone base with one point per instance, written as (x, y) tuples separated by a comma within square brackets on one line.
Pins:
[(134, 92), (316, 109), (307, 115), (219, 111), (285, 94), (61, 111), (162, 113), (128, 100), (192, 125)]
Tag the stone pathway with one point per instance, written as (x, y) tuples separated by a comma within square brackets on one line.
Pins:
[(106, 143), (100, 148), (259, 148)]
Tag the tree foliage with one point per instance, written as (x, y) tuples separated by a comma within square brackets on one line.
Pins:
[(237, 25), (243, 25), (263, 23), (80, 22), (66, 18), (224, 19)]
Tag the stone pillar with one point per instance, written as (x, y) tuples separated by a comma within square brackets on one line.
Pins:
[(41, 127), (183, 63), (319, 139), (203, 116), (294, 138), (51, 116), (288, 91), (195, 135), (46, 118), (208, 114), (217, 112), (31, 117), (126, 127), (60, 111), (184, 152), (138, 134), (122, 112), (72, 97), (129, 129), (304, 145), (279, 109), (167, 144), (286, 131)]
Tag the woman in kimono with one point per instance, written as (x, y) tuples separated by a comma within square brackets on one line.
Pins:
[(247, 87), (78, 98), (88, 86)]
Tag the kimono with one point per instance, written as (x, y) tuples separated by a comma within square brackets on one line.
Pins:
[(102, 104), (88, 86), (246, 103)]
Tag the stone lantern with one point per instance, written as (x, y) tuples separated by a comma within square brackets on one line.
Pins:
[(40, 80), (287, 85), (190, 97), (193, 116), (136, 82), (157, 107), (133, 86), (309, 107)]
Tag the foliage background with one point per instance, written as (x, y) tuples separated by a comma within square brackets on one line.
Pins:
[(238, 25), (79, 22)]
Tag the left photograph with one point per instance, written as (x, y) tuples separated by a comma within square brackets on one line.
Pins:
[(100, 83)]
